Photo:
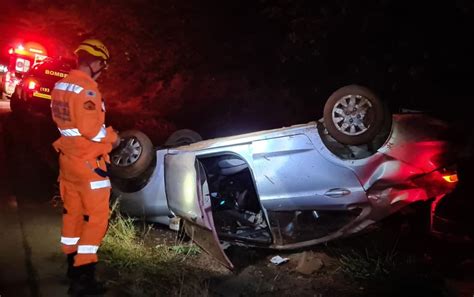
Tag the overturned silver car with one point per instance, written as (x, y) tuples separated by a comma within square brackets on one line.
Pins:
[(290, 187)]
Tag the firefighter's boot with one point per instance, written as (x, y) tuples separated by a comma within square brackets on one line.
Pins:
[(85, 284), (71, 270)]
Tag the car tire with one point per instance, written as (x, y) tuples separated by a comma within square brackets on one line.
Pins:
[(182, 137), (353, 126), (133, 156)]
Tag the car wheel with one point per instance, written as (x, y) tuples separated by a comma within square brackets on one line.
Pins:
[(133, 156), (354, 115), (182, 137)]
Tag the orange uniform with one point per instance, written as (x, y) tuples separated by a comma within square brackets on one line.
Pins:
[(79, 112)]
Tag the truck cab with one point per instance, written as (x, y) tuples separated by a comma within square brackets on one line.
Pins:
[(33, 92), (22, 59)]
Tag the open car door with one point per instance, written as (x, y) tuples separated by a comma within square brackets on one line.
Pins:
[(188, 197)]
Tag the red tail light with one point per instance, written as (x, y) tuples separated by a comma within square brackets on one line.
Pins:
[(437, 182), (450, 177), (32, 85), (450, 174)]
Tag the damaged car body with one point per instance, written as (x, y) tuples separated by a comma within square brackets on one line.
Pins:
[(296, 186)]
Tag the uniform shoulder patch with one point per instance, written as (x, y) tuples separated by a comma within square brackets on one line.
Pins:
[(89, 105), (90, 93)]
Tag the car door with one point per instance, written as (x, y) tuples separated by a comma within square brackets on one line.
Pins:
[(188, 197), (292, 175)]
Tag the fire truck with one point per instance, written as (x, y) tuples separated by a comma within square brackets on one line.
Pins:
[(33, 93), (22, 58)]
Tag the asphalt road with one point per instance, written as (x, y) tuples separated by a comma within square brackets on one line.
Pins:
[(31, 263)]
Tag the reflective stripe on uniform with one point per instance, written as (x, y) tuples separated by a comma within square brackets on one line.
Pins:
[(68, 87), (70, 132), (87, 249), (100, 184), (75, 132), (102, 133), (69, 240)]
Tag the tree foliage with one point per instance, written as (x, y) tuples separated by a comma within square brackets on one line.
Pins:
[(236, 59)]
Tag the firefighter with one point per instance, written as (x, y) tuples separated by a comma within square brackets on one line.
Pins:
[(78, 110)]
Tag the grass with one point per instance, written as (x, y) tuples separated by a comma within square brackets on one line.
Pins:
[(144, 270), (369, 257), (368, 265), (186, 250)]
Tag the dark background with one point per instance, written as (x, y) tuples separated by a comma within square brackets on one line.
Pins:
[(234, 66), (226, 67)]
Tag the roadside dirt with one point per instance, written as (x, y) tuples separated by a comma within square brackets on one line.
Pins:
[(256, 275), (415, 266)]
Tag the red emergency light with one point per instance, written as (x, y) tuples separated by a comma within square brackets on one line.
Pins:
[(29, 48), (20, 48), (37, 51)]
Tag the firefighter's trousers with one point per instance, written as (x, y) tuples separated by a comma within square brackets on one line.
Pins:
[(85, 195)]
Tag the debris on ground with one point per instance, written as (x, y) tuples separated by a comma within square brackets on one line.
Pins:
[(277, 260), (309, 263)]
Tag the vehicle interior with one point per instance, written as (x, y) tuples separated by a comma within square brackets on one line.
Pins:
[(236, 209)]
